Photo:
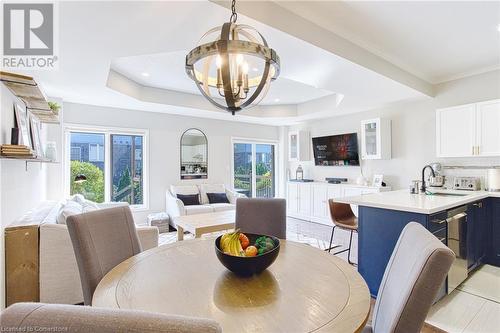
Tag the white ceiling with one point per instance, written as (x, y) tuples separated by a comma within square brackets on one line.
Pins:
[(166, 71), (134, 37), (434, 40)]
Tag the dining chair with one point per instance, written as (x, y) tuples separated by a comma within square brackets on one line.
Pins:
[(416, 271), (101, 240), (261, 216), (343, 218), (41, 317)]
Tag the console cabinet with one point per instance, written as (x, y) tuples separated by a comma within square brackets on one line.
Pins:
[(494, 249), (309, 201)]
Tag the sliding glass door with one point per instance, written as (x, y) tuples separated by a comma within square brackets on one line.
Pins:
[(254, 169)]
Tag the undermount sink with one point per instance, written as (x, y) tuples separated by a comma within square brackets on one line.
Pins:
[(450, 194)]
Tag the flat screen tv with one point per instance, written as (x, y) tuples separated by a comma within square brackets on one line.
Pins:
[(336, 150)]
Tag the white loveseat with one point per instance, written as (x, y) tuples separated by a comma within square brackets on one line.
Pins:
[(175, 207), (59, 279)]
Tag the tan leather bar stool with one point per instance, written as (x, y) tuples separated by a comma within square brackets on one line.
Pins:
[(343, 218)]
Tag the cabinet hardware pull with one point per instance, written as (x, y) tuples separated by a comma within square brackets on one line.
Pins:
[(442, 239), (438, 221), (473, 150), (479, 205), (478, 150)]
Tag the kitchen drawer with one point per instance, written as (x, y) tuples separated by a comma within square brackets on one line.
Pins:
[(437, 221), (441, 235)]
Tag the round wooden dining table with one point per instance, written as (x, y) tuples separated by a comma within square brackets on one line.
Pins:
[(304, 290)]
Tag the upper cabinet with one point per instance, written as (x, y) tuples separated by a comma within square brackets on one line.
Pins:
[(299, 146), (376, 139), (488, 128), (468, 130)]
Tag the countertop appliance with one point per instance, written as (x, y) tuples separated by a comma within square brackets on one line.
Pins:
[(467, 183), (493, 180), (457, 242)]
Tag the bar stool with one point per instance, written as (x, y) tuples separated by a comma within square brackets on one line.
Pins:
[(343, 218)]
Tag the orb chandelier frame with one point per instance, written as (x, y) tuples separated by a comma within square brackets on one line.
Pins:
[(232, 81)]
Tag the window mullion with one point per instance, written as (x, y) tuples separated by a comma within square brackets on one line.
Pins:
[(107, 168)]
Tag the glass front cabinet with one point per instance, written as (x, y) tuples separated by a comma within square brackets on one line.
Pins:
[(376, 139), (298, 146)]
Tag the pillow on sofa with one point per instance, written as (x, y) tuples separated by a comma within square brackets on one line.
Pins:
[(217, 198), (210, 188), (189, 199), (87, 205), (67, 209)]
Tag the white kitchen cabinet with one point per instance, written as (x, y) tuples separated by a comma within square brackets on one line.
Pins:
[(468, 130), (299, 146), (293, 198), (309, 201), (304, 199), (376, 139), (319, 201), (488, 128)]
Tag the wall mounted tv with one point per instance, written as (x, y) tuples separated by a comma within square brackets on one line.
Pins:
[(336, 150)]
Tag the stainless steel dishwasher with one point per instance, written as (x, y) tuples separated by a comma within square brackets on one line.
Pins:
[(457, 242)]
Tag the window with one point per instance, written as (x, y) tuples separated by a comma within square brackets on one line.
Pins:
[(126, 171), (113, 162), (254, 169)]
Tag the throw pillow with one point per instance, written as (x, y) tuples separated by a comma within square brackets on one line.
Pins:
[(68, 209), (217, 198), (189, 199)]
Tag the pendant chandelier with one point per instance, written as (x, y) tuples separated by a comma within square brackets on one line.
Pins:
[(233, 65)]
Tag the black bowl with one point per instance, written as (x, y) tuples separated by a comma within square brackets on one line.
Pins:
[(246, 266)]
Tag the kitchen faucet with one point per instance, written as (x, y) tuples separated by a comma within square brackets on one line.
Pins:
[(423, 176)]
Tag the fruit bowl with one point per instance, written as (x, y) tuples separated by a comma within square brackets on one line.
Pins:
[(246, 266)]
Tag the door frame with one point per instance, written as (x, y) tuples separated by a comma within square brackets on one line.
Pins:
[(254, 142)]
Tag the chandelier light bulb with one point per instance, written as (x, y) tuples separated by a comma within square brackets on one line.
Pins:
[(239, 59), (226, 82)]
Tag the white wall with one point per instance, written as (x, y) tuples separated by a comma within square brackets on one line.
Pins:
[(20, 189), (413, 133), (164, 143)]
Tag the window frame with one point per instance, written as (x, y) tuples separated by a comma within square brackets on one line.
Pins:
[(254, 142), (107, 131)]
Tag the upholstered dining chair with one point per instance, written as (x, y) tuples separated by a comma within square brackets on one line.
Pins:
[(40, 317), (261, 216), (416, 270), (101, 240), (343, 218)]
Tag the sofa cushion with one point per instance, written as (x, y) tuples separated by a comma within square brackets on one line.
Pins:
[(200, 209), (210, 188), (214, 198), (184, 189), (189, 199), (219, 207), (87, 205)]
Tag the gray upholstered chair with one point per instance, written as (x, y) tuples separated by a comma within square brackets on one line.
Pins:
[(261, 216), (415, 272), (101, 240), (40, 317)]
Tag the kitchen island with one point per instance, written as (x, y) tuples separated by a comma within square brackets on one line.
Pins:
[(382, 217)]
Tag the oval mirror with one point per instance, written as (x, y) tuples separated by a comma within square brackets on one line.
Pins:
[(194, 154)]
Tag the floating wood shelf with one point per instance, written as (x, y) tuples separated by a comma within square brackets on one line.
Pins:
[(27, 90)]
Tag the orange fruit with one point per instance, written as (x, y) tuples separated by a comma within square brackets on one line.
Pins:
[(251, 251)]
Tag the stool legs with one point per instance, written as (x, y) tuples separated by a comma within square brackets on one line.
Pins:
[(344, 250)]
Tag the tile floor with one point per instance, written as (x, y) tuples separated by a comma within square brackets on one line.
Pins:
[(473, 307)]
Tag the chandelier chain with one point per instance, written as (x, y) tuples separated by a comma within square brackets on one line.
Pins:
[(234, 15)]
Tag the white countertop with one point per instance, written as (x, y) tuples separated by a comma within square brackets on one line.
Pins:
[(403, 200)]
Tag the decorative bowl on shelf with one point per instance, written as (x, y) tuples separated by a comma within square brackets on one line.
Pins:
[(246, 266)]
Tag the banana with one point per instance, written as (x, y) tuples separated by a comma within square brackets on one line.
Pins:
[(230, 244)]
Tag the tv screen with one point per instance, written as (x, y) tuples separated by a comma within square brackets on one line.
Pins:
[(336, 150)]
